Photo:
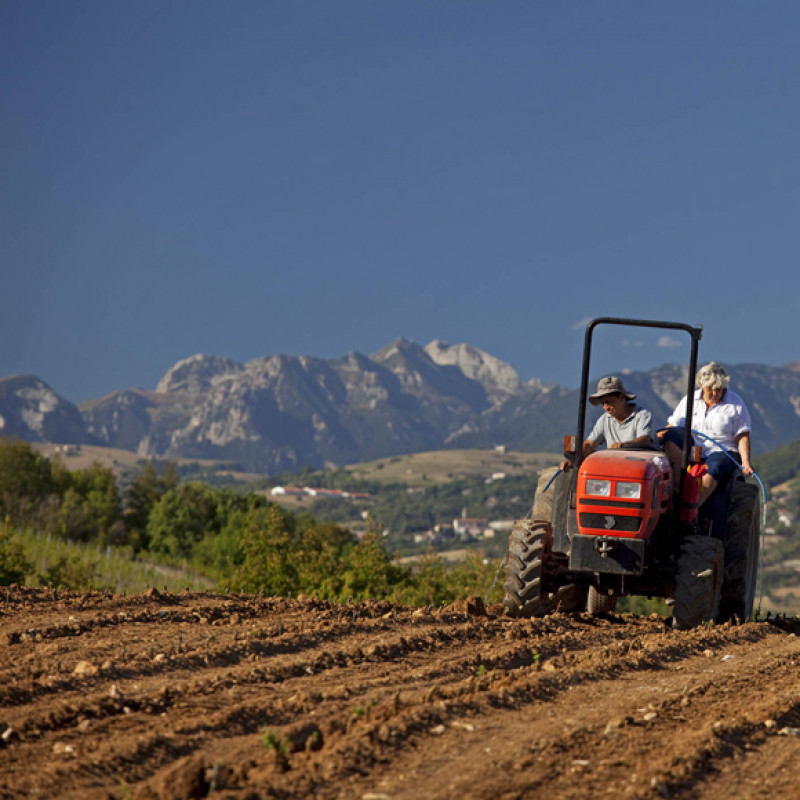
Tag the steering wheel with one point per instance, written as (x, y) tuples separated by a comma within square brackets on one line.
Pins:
[(638, 446)]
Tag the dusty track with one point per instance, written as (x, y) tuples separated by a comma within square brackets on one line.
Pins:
[(177, 696)]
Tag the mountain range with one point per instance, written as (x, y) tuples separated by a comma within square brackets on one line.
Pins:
[(280, 413)]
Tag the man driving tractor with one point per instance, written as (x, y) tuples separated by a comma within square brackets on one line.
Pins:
[(622, 423)]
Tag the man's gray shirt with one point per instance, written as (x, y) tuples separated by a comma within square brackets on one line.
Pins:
[(608, 430)]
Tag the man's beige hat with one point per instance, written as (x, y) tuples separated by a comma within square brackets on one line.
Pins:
[(610, 385)]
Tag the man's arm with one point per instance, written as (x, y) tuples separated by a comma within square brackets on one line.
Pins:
[(588, 447)]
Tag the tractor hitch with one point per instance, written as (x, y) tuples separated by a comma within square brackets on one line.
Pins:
[(607, 554)]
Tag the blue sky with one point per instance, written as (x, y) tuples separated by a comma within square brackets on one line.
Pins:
[(249, 178)]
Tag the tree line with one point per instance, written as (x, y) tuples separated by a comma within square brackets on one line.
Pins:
[(240, 539)]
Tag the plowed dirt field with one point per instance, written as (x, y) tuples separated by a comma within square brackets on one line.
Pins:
[(159, 696)]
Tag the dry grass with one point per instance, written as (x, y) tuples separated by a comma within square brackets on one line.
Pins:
[(441, 466), (435, 466), (75, 457)]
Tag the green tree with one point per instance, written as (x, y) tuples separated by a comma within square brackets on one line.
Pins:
[(180, 519), (145, 490), (13, 564), (60, 474), (430, 584), (322, 551), (91, 507), (220, 551), (268, 550), (196, 520), (26, 481), (282, 554), (475, 575), (72, 572), (370, 573)]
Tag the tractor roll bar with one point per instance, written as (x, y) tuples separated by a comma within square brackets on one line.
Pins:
[(695, 332)]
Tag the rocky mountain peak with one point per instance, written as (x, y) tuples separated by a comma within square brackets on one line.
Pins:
[(31, 410), (280, 412), (398, 348), (196, 373), (420, 375), (499, 379), (538, 385)]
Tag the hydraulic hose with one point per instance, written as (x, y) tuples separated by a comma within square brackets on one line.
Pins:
[(549, 483), (557, 473)]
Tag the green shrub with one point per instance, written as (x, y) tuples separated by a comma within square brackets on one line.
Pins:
[(72, 572), (13, 564)]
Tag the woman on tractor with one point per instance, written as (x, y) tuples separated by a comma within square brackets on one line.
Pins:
[(719, 414)]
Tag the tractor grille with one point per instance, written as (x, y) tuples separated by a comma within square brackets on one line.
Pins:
[(609, 522)]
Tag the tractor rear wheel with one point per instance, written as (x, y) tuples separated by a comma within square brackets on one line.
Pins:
[(528, 547), (600, 603), (741, 544), (698, 582), (542, 508)]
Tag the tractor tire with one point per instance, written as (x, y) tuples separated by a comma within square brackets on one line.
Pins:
[(542, 509), (528, 546), (572, 596), (742, 542), (698, 582), (597, 603), (569, 598)]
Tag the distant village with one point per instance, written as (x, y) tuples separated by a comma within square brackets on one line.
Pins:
[(462, 529), (308, 491)]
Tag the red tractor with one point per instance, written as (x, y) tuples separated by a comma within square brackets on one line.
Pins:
[(613, 526)]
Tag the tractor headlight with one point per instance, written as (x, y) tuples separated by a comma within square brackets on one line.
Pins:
[(630, 491), (601, 488)]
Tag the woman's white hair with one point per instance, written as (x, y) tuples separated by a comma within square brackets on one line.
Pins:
[(712, 375)]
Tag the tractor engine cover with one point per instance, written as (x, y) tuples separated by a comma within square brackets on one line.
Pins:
[(623, 493)]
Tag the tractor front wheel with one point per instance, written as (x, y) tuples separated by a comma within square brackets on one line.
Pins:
[(529, 545), (600, 603)]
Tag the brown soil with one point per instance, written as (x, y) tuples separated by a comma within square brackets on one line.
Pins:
[(162, 696)]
